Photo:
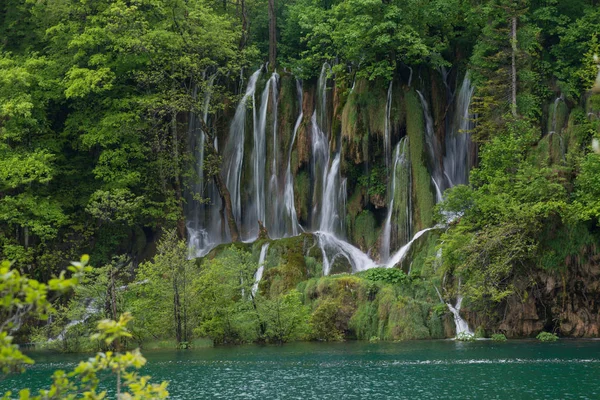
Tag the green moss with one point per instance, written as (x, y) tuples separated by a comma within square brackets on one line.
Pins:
[(302, 195), (423, 197), (541, 153), (367, 308), (402, 200), (407, 320), (364, 231)]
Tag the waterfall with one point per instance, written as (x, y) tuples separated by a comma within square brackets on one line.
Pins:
[(291, 216), (261, 267), (400, 161), (333, 247), (462, 327), (400, 254), (322, 97), (330, 205), (320, 163), (200, 219), (320, 147), (91, 308), (554, 113), (458, 141), (276, 225), (255, 211), (432, 148), (387, 141), (234, 152)]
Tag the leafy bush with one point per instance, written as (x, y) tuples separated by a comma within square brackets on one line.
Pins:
[(388, 275), (498, 337), (547, 337)]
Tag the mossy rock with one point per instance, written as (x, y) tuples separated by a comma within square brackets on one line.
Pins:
[(423, 197), (364, 231)]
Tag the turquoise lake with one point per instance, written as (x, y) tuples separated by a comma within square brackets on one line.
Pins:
[(568, 369)]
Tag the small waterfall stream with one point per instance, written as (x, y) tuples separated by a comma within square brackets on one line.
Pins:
[(400, 160), (462, 327), (433, 148), (400, 254), (261, 267), (458, 141)]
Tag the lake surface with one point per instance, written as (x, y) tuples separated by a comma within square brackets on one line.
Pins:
[(568, 369)]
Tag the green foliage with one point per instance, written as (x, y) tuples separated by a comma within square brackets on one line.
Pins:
[(389, 275), (27, 298), (375, 181), (285, 317), (324, 321), (499, 337), (547, 337), (224, 284), (163, 297)]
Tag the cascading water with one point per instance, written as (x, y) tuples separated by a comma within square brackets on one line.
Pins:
[(553, 128), (276, 224), (330, 210), (291, 218), (332, 248), (401, 254), (261, 267), (320, 164), (400, 162), (457, 161), (433, 149), (320, 147), (234, 151), (255, 211), (200, 217), (269, 195), (462, 327)]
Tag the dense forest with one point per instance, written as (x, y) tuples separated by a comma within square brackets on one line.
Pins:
[(268, 170)]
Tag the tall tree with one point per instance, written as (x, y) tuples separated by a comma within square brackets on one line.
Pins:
[(272, 34)]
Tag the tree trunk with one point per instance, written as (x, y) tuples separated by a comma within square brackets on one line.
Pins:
[(244, 18), (514, 66), (176, 309), (178, 192), (272, 35), (221, 186)]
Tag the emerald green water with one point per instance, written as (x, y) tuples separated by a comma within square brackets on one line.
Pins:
[(357, 370)]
